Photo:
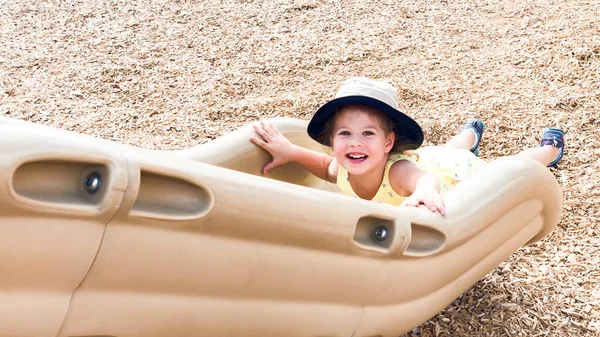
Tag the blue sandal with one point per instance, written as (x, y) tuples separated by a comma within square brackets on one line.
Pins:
[(556, 138), (477, 126)]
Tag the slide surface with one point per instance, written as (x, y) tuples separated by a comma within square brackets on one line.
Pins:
[(104, 239)]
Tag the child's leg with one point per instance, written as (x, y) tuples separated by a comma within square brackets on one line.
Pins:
[(551, 147), (463, 140), (469, 137), (545, 154)]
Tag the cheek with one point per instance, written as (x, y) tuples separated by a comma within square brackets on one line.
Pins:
[(336, 146), (338, 149), (337, 142)]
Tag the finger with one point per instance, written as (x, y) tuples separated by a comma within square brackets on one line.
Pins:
[(258, 128), (259, 142), (264, 134), (276, 131), (272, 129), (268, 167), (435, 204), (441, 206), (429, 204), (266, 127), (410, 202), (432, 208)]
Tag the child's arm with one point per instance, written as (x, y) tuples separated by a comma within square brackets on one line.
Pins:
[(424, 187), (283, 151)]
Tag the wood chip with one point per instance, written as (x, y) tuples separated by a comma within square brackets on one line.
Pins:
[(169, 75)]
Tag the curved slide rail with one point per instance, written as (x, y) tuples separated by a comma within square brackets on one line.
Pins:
[(103, 239)]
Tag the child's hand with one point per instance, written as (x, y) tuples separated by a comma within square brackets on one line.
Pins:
[(429, 197), (275, 143)]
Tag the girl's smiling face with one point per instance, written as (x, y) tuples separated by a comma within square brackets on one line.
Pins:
[(359, 140)]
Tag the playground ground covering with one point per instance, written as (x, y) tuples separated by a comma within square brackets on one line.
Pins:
[(169, 74)]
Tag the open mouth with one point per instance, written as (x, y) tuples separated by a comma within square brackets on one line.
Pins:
[(356, 157)]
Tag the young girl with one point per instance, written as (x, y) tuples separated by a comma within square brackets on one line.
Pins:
[(376, 154)]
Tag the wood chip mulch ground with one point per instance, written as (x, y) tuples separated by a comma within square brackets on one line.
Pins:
[(170, 74)]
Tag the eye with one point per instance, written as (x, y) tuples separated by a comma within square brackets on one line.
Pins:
[(368, 133), (344, 133)]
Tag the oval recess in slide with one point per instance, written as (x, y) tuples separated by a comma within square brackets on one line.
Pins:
[(167, 197)]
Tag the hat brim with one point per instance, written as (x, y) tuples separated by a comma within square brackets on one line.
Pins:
[(405, 128)]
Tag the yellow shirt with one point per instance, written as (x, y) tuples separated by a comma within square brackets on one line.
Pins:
[(449, 165), (385, 194)]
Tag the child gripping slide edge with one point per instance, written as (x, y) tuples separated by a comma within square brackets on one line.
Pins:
[(377, 153)]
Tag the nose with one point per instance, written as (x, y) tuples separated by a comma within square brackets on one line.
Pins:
[(355, 141)]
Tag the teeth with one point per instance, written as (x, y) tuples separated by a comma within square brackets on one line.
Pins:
[(356, 156)]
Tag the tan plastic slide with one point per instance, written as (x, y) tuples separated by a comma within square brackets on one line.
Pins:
[(102, 239)]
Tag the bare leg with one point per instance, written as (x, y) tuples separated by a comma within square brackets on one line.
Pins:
[(463, 140), (544, 154)]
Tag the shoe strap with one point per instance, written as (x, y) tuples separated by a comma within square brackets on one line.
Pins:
[(552, 139)]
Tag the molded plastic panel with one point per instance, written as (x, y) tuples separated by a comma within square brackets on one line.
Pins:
[(52, 221), (166, 197), (376, 234), (60, 182), (425, 241), (248, 255)]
